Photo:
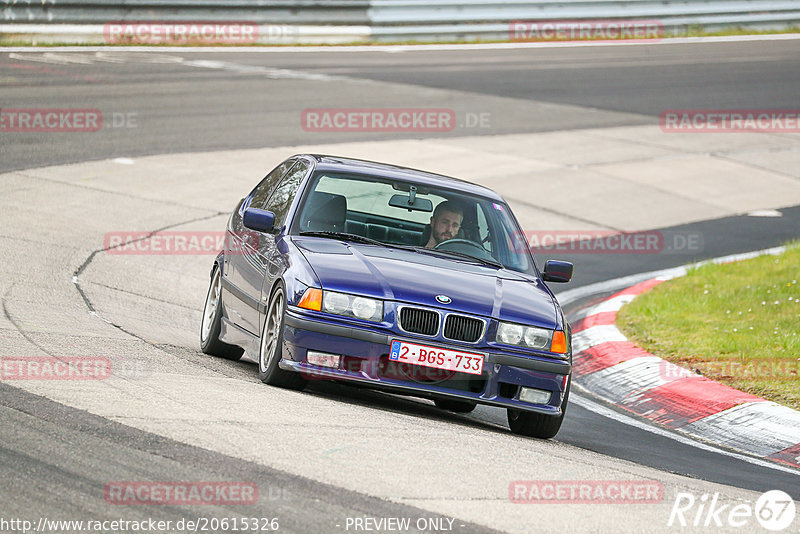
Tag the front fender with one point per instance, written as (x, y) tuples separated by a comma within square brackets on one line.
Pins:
[(298, 274), (219, 261)]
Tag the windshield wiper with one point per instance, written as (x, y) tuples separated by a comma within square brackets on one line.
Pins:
[(491, 263), (357, 238)]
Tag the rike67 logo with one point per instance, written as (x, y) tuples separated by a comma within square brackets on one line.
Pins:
[(774, 510)]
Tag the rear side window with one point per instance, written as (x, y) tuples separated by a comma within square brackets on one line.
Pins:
[(259, 196), (282, 198)]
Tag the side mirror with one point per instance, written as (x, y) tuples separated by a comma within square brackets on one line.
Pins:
[(259, 220), (557, 271)]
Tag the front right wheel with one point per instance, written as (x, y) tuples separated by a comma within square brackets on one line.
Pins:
[(537, 425), (271, 351)]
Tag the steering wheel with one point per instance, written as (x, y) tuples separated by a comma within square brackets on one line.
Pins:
[(458, 241), (458, 245)]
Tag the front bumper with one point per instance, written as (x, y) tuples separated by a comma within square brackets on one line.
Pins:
[(365, 361)]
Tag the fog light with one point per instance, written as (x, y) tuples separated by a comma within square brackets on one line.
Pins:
[(322, 359), (534, 396)]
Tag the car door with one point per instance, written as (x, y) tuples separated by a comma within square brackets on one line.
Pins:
[(240, 301), (259, 262)]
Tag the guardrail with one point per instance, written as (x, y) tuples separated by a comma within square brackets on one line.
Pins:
[(385, 20)]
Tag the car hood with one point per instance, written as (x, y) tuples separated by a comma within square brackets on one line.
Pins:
[(417, 278)]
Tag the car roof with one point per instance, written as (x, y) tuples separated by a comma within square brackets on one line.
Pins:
[(385, 170)]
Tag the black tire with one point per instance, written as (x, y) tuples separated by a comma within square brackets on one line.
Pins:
[(270, 349), (537, 425), (211, 325), (453, 405)]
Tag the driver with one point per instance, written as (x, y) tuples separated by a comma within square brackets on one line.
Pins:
[(445, 223)]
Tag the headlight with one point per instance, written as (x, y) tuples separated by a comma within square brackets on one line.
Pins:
[(352, 306), (509, 334), (365, 308), (537, 337), (335, 302), (531, 337)]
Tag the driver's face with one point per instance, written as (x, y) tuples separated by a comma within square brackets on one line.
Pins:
[(445, 226)]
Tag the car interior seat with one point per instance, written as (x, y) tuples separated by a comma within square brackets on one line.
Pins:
[(324, 212)]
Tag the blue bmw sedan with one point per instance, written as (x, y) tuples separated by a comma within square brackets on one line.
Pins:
[(392, 278)]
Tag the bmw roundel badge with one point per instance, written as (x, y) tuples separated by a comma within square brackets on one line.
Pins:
[(444, 299)]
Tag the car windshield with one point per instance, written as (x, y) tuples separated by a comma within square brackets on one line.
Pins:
[(465, 227)]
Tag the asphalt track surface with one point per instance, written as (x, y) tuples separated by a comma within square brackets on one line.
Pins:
[(191, 101), (57, 458)]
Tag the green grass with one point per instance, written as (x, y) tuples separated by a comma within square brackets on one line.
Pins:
[(698, 31), (737, 323)]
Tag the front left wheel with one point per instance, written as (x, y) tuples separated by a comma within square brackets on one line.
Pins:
[(271, 346), (212, 322)]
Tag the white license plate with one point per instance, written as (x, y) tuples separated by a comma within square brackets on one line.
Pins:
[(450, 360)]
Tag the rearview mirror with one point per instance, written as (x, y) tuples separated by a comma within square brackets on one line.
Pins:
[(411, 203), (557, 271), (259, 220)]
